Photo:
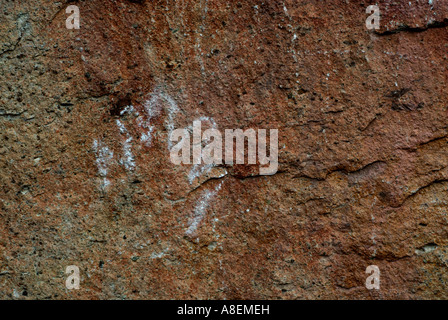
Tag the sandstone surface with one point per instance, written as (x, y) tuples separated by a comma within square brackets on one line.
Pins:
[(87, 180)]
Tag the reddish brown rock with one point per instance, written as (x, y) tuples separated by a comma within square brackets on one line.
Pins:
[(86, 181)]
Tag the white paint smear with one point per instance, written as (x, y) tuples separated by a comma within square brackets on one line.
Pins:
[(128, 158), (153, 108), (104, 157), (201, 209), (200, 169), (159, 255), (148, 129)]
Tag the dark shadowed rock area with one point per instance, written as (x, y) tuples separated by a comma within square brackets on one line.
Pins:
[(85, 171)]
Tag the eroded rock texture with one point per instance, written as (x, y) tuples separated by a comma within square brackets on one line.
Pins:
[(86, 180)]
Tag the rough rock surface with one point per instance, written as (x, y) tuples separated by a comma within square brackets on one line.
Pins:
[(363, 137)]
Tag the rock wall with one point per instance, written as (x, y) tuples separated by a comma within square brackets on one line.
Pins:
[(86, 177)]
